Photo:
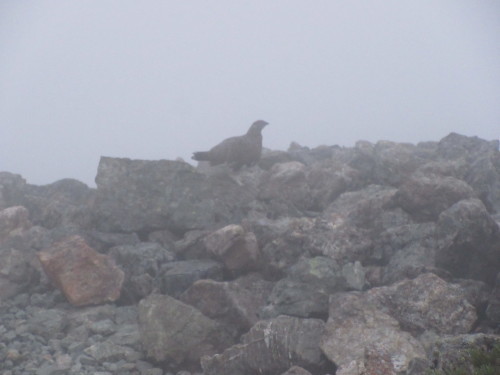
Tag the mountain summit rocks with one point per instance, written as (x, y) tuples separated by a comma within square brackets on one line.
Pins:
[(380, 258)]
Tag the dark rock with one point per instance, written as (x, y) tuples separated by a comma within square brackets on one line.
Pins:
[(469, 241), (271, 347), (409, 251), (83, 275), (176, 277), (355, 326), (48, 323), (16, 273), (178, 333), (142, 264), (235, 248), (235, 304), (305, 291), (493, 309), (425, 196), (449, 352), (192, 245), (143, 196)]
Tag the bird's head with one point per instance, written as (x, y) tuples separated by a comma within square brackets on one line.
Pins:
[(257, 127)]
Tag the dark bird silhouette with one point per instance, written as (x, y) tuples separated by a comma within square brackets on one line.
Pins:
[(236, 151)]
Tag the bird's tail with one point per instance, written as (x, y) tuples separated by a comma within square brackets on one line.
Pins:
[(201, 155)]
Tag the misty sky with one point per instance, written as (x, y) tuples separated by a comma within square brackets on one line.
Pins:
[(160, 79)]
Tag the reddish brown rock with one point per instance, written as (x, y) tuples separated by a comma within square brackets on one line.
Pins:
[(81, 273), (237, 249)]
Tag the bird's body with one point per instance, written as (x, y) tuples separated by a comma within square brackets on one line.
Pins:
[(236, 151)]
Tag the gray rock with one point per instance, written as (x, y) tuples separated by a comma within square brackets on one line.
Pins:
[(139, 195), (493, 309), (48, 323), (469, 241), (236, 249), (141, 264), (173, 331), (356, 325), (451, 351), (425, 196), (296, 370), (235, 304), (287, 183), (305, 291), (107, 351), (272, 347), (176, 277)]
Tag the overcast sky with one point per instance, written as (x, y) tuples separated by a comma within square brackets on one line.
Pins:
[(160, 79)]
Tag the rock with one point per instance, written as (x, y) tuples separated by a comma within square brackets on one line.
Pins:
[(493, 309), (449, 352), (286, 182), (192, 245), (305, 291), (426, 303), (272, 347), (178, 333), (425, 196), (13, 221), (385, 163), (296, 370), (356, 326), (328, 180), (142, 264), (107, 352), (409, 250), (16, 273), (234, 247), (176, 277), (83, 275), (469, 241), (144, 196), (48, 324), (235, 304)]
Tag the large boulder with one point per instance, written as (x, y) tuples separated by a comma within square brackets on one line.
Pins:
[(236, 249), (427, 303), (235, 304), (81, 273), (469, 241), (425, 196), (356, 326), (272, 347), (305, 291), (143, 196), (179, 334)]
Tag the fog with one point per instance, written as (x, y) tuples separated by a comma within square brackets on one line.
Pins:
[(161, 79)]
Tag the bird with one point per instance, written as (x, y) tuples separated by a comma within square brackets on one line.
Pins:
[(236, 151)]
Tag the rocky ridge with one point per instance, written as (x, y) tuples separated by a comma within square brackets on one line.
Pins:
[(380, 258)]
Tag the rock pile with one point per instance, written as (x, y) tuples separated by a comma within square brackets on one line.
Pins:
[(380, 258)]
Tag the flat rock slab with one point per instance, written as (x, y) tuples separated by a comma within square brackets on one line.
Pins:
[(81, 273)]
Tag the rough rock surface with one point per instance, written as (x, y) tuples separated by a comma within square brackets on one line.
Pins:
[(171, 330), (382, 258), (271, 347), (83, 275)]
